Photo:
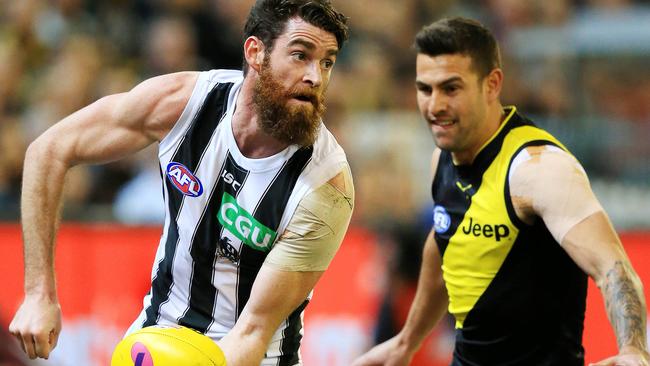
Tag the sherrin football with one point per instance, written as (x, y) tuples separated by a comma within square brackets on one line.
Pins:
[(167, 346)]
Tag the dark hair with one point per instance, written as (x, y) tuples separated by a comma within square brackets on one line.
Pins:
[(461, 36), (268, 19)]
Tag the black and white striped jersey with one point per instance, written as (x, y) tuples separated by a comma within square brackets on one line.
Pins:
[(223, 214)]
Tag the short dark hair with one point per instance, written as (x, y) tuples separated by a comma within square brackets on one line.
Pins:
[(461, 36), (268, 19)]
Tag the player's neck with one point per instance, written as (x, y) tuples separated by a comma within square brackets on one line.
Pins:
[(251, 140), (494, 118)]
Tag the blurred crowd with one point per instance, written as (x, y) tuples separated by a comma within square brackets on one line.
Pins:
[(587, 83)]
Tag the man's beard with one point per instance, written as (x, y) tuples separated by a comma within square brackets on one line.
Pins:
[(289, 124)]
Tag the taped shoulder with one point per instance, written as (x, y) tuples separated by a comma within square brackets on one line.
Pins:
[(551, 184)]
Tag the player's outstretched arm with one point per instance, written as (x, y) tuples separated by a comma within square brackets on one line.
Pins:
[(429, 306), (110, 128), (594, 245), (559, 192)]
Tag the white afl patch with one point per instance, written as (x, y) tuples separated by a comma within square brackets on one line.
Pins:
[(441, 219)]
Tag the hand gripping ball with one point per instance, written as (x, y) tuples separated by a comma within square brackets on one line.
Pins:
[(167, 346)]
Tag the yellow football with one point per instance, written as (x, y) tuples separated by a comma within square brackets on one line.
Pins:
[(167, 346)]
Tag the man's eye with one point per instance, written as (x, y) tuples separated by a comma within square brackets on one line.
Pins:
[(424, 89), (327, 64), (451, 88), (298, 56)]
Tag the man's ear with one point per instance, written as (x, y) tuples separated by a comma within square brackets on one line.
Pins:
[(493, 84), (254, 52)]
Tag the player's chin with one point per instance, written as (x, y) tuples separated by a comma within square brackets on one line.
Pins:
[(299, 104), (444, 143)]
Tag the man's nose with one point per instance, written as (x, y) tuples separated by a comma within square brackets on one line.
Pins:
[(313, 75), (437, 104)]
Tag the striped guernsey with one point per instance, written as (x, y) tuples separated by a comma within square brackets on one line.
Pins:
[(223, 214)]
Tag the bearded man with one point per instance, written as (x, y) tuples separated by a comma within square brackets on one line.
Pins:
[(258, 193)]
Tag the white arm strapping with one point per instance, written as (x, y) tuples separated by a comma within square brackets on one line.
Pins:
[(548, 182), (316, 229)]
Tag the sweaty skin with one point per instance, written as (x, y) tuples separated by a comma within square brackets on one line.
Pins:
[(316, 229)]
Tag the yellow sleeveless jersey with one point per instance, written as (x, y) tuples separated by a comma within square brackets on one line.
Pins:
[(517, 298)]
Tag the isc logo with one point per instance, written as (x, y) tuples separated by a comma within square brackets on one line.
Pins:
[(184, 180), (230, 179)]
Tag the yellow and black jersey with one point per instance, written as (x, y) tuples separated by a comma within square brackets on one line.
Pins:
[(517, 297)]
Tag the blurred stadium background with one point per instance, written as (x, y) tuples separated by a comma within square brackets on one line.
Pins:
[(578, 67)]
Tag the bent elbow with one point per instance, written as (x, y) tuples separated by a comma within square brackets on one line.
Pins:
[(36, 150), (46, 150)]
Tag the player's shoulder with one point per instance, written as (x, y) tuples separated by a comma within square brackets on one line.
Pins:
[(342, 182), (329, 166), (223, 76), (520, 130), (326, 145), (543, 164), (166, 84), (545, 155)]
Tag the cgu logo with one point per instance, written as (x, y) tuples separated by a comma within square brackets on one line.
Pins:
[(244, 226), (184, 180)]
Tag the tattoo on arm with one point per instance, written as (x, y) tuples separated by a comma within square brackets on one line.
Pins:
[(625, 306)]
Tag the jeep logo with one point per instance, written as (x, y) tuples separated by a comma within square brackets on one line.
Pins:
[(487, 230), (244, 226)]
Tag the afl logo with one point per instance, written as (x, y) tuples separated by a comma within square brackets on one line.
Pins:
[(441, 219), (184, 180)]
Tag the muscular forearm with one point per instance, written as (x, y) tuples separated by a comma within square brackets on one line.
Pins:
[(245, 345), (423, 317), (430, 301), (623, 294), (40, 202), (275, 295)]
